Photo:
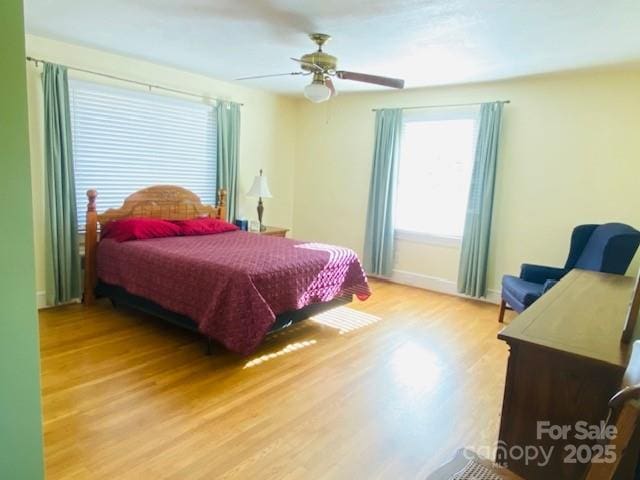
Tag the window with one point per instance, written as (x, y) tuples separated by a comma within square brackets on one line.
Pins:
[(125, 140), (436, 161)]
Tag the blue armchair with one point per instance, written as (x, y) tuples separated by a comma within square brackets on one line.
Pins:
[(605, 248)]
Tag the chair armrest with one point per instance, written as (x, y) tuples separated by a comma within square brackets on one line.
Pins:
[(548, 285), (631, 392), (540, 273)]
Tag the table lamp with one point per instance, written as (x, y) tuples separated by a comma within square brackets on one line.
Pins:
[(260, 189)]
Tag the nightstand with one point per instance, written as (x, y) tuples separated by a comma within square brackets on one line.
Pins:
[(274, 231)]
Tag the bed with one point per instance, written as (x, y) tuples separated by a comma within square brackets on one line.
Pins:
[(234, 287)]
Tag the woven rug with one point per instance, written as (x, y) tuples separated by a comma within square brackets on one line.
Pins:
[(475, 471)]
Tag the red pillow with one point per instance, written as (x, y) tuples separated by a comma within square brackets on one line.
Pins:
[(204, 226), (139, 229)]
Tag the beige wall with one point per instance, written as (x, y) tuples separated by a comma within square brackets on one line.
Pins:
[(570, 154), (267, 139)]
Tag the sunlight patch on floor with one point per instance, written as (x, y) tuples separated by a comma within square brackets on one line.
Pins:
[(345, 319), (292, 347), (415, 368)]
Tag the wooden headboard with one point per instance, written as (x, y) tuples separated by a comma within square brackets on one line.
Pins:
[(168, 202)]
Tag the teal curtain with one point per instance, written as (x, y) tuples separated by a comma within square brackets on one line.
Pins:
[(472, 272), (378, 247), (63, 260), (228, 144)]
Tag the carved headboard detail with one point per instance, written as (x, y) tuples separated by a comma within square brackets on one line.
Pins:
[(168, 202)]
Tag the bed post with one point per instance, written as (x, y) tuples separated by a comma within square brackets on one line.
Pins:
[(90, 244), (222, 204)]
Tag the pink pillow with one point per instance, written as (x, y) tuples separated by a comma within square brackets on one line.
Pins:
[(139, 229), (204, 226)]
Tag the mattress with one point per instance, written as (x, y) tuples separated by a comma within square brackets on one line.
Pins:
[(233, 284)]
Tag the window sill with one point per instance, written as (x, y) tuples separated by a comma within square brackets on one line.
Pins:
[(428, 238)]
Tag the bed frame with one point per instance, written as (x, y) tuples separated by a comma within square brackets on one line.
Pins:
[(168, 202)]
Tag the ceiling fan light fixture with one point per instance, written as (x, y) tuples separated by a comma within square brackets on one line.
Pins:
[(317, 92), (323, 66)]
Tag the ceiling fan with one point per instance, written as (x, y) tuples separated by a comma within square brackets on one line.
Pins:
[(323, 66)]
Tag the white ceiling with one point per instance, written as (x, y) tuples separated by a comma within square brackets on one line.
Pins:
[(428, 42)]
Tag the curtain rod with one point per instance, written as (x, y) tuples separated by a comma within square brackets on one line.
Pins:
[(442, 106), (150, 86)]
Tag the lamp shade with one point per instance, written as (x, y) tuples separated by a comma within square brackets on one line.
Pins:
[(260, 187), (317, 92)]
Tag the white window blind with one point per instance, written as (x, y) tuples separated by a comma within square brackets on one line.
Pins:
[(436, 161), (125, 140)]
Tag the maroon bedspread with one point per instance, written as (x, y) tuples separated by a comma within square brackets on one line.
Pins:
[(232, 284)]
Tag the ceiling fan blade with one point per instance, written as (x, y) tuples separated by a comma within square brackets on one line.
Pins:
[(312, 66), (271, 75), (329, 83), (375, 79)]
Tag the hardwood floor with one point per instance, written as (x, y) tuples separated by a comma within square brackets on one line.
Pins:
[(387, 388)]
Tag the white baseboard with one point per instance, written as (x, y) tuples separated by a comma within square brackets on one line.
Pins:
[(41, 300), (437, 285)]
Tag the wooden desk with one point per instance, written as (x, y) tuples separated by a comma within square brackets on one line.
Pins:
[(565, 362)]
